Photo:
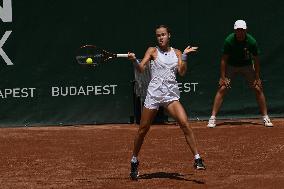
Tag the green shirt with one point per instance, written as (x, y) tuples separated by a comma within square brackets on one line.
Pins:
[(240, 52)]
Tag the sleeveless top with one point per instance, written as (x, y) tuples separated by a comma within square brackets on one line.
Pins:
[(163, 87)]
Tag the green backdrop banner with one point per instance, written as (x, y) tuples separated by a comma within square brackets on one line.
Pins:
[(41, 83)]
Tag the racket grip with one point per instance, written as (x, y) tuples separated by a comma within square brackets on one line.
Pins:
[(122, 55)]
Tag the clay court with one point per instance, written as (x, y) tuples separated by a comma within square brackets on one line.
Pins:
[(238, 154)]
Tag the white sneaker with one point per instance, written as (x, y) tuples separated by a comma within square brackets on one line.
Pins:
[(211, 122), (267, 122)]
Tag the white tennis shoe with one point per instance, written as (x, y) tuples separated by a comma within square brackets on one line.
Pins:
[(212, 122), (267, 122)]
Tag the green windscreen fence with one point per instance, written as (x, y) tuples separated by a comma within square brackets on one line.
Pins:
[(41, 83)]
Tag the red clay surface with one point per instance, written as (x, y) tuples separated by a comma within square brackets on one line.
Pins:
[(238, 154)]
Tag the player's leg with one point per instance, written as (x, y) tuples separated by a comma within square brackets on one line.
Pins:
[(219, 97), (145, 123), (146, 120), (260, 98), (176, 110), (218, 100), (249, 74)]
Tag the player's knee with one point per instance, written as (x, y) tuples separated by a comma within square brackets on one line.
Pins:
[(145, 123), (143, 130), (182, 125), (185, 127)]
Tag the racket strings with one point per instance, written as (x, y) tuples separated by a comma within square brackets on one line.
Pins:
[(95, 54)]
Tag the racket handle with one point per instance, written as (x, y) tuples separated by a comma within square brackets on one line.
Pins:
[(122, 55)]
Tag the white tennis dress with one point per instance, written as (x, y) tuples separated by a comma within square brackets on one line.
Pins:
[(163, 87)]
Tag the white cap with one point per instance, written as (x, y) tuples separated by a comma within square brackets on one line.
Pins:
[(240, 24)]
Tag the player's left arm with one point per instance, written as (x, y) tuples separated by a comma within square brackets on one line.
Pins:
[(256, 63), (257, 81), (256, 67), (182, 67), (255, 52), (182, 64)]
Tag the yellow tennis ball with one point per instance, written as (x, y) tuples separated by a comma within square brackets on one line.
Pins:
[(89, 61)]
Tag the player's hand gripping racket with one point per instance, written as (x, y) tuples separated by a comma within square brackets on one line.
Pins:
[(93, 55)]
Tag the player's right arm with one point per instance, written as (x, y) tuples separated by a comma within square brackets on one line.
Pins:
[(223, 80), (140, 66), (227, 49), (223, 65)]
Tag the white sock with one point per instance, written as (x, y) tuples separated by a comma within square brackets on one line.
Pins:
[(197, 156), (265, 117), (134, 159), (213, 117)]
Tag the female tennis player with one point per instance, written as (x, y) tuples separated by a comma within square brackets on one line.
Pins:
[(163, 91)]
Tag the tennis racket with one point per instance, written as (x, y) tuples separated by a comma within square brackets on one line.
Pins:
[(93, 55)]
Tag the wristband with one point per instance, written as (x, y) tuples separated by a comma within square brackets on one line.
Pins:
[(136, 62), (184, 57)]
